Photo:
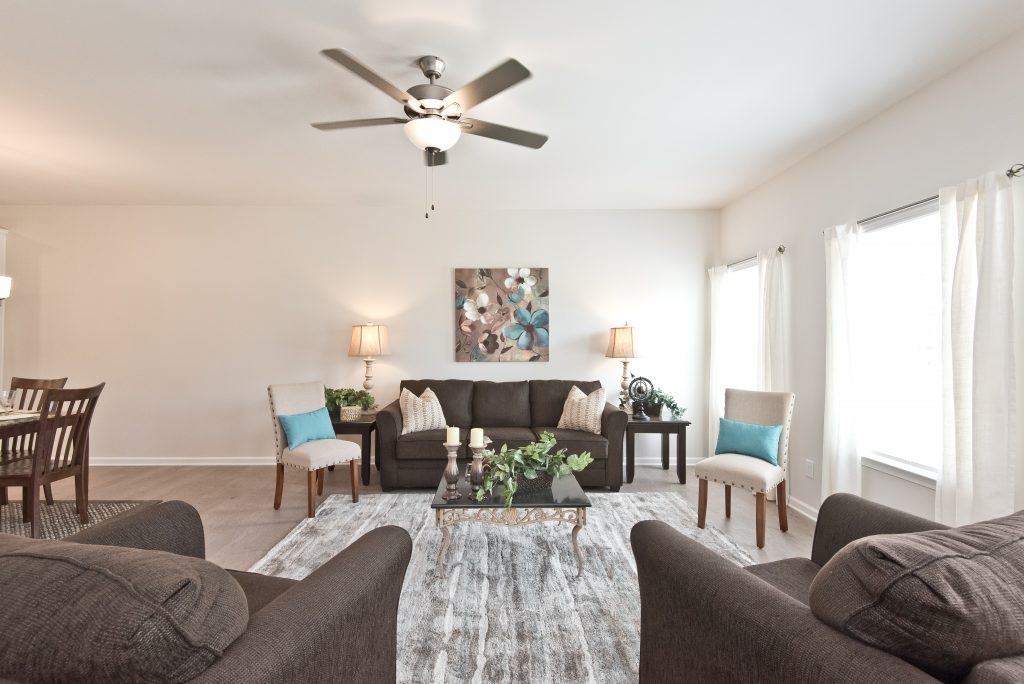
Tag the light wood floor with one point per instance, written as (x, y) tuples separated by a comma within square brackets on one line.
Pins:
[(236, 503)]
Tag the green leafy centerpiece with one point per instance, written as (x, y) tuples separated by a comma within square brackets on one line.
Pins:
[(349, 402), (529, 468)]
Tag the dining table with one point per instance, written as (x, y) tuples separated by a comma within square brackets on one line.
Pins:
[(16, 429)]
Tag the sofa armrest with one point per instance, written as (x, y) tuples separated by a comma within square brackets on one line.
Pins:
[(613, 422), (844, 518), (705, 619), (1009, 670), (389, 423), (340, 624), (172, 526)]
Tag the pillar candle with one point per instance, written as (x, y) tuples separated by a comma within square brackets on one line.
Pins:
[(452, 436), (476, 437)]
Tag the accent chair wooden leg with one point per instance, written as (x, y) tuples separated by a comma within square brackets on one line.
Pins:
[(320, 481), (26, 510), (32, 506), (311, 492), (353, 467), (48, 492), (728, 501), (81, 499), (780, 500), (279, 487), (760, 519), (702, 501)]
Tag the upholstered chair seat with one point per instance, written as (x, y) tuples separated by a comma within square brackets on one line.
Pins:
[(321, 453), (749, 472)]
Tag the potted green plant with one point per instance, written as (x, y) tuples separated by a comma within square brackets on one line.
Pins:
[(530, 468), (348, 403), (659, 400)]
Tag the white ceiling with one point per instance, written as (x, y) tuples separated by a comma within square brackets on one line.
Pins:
[(668, 104)]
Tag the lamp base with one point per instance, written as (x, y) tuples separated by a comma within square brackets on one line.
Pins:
[(368, 380)]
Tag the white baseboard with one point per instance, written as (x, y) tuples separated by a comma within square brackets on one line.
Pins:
[(803, 509), (181, 461), (656, 461)]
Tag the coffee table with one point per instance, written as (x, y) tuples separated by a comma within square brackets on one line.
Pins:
[(565, 502)]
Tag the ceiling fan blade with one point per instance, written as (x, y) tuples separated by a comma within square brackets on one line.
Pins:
[(364, 72), (357, 123), (499, 78), (503, 133)]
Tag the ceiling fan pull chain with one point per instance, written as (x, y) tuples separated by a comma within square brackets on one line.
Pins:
[(426, 193), (433, 194)]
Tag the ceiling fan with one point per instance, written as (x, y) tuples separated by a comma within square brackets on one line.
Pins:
[(435, 114)]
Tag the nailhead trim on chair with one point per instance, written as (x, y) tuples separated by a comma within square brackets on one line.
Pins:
[(741, 486)]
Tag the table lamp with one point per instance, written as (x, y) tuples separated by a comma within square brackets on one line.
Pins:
[(369, 340), (622, 345)]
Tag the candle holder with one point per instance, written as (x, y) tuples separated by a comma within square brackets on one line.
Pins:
[(476, 468), (451, 474)]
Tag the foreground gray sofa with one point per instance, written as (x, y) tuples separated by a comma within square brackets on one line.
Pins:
[(337, 624), (705, 619), (513, 413)]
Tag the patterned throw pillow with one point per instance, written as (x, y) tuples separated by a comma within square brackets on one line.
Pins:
[(583, 411), (420, 413)]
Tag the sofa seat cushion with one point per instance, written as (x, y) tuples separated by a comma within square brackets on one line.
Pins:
[(82, 612), (260, 589), (738, 470), (513, 436), (427, 445), (547, 398), (792, 576), (456, 397), (943, 600), (321, 453), (501, 404), (575, 441)]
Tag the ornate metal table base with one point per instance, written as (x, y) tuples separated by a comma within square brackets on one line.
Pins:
[(510, 517)]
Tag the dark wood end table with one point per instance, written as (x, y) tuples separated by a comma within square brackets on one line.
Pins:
[(363, 427), (665, 427)]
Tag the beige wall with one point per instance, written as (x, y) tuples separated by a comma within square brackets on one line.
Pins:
[(189, 312), (963, 125)]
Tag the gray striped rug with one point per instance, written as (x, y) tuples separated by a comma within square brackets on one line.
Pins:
[(61, 519), (511, 608)]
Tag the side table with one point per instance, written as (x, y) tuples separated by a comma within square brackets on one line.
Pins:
[(363, 427), (665, 427)]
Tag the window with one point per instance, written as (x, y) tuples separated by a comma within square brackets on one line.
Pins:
[(896, 334), (742, 325)]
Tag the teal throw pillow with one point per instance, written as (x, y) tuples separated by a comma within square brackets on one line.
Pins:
[(759, 441), (306, 427)]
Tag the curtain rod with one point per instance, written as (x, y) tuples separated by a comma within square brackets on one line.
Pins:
[(1012, 172), (781, 250)]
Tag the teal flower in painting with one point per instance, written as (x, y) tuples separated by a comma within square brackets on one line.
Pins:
[(528, 330), (516, 295), (460, 300)]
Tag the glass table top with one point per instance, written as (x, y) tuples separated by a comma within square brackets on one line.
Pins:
[(565, 492)]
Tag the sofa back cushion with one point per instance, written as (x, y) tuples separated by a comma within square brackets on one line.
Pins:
[(501, 404), (547, 398), (456, 397), (943, 600), (80, 612)]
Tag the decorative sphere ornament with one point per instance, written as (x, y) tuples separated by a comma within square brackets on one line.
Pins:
[(640, 389)]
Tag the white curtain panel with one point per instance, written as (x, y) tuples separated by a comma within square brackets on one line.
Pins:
[(774, 362), (717, 276), (840, 471), (976, 480)]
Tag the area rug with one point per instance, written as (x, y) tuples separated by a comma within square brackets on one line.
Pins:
[(61, 519), (511, 608)]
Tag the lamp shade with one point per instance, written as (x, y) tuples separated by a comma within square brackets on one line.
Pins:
[(622, 343), (5, 287), (369, 339), (434, 132)]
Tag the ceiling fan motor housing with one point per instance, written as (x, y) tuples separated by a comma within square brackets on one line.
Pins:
[(431, 91), (432, 66)]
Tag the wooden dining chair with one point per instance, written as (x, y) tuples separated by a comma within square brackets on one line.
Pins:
[(31, 394), (60, 449)]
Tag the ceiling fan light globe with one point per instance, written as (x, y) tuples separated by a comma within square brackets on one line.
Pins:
[(433, 132)]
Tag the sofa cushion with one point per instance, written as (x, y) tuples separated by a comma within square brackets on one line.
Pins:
[(942, 600), (547, 398), (427, 445), (501, 404), (456, 397), (575, 441), (792, 576), (81, 612), (513, 436)]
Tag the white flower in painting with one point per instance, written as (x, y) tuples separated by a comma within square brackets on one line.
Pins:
[(480, 308), (520, 278)]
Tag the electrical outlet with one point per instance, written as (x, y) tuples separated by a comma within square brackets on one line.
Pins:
[(809, 468)]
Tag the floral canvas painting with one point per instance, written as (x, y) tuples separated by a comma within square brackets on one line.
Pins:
[(501, 314)]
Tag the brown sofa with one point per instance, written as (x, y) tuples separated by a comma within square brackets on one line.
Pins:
[(513, 413), (705, 619)]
